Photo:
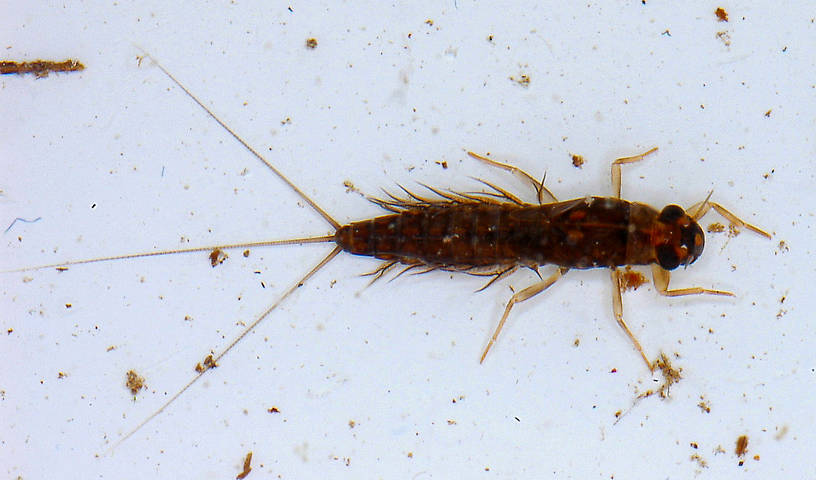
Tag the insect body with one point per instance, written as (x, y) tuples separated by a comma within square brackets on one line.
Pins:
[(581, 233), (493, 234)]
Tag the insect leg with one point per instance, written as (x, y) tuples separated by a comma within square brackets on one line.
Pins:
[(617, 309), (701, 208), (521, 296), (539, 187), (616, 169), (661, 279)]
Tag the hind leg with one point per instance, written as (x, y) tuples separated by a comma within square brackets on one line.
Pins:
[(519, 297)]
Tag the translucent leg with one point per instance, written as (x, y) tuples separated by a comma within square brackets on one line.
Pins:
[(616, 169), (617, 309), (521, 296), (701, 208), (661, 279)]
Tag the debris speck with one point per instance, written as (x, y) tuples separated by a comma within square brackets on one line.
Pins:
[(523, 80), (311, 42), (134, 382), (577, 160), (742, 445), (208, 363), (716, 227), (721, 14), (247, 468), (40, 68), (217, 257), (631, 279), (19, 219)]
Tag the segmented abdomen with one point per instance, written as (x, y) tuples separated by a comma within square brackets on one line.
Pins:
[(581, 233)]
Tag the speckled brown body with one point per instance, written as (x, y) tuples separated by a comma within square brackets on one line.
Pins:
[(581, 233)]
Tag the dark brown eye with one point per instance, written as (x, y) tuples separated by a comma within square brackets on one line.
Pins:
[(671, 213), (667, 256)]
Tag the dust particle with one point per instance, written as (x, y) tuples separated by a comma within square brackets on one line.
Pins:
[(721, 14), (716, 227), (671, 376), (273, 410), (40, 68), (247, 468), (577, 160), (523, 80), (311, 42), (631, 279), (217, 257), (700, 460), (134, 382), (742, 445), (209, 363)]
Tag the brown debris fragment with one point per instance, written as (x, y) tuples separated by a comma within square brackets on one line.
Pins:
[(209, 363), (40, 68), (721, 14), (311, 42), (134, 382), (632, 279), (716, 227), (742, 445), (217, 257), (247, 468), (523, 80)]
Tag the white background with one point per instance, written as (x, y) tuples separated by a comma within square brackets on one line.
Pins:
[(116, 159)]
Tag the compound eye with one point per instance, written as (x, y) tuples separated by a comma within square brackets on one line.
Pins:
[(671, 213), (667, 257)]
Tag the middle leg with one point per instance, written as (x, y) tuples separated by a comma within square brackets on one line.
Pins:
[(617, 309)]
